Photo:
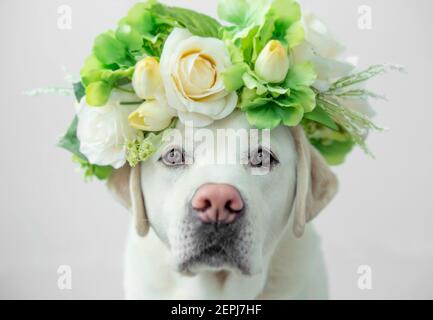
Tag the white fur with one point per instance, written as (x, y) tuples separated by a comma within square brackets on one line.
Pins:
[(282, 266)]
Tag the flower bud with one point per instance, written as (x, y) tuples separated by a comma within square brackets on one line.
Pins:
[(147, 81), (152, 116), (273, 62)]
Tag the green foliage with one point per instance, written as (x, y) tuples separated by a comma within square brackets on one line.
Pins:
[(256, 22), (332, 128), (70, 140), (335, 152), (268, 105), (334, 145), (91, 170), (141, 33), (79, 91), (320, 116), (356, 125), (197, 23), (233, 76)]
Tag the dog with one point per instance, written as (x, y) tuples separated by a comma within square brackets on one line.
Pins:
[(203, 230)]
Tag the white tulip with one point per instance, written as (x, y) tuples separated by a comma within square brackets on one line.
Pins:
[(104, 131), (273, 62), (190, 68), (154, 115), (147, 81)]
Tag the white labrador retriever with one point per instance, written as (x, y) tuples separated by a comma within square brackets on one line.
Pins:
[(222, 232)]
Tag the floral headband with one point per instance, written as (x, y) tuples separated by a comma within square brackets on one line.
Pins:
[(166, 64)]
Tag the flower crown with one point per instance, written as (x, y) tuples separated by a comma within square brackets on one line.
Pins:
[(166, 64)]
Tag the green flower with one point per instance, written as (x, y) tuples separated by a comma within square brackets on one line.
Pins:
[(268, 106), (142, 148)]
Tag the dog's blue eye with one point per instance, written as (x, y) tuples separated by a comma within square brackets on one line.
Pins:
[(173, 158), (262, 158)]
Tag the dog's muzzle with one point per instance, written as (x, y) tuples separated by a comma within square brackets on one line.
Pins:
[(215, 233)]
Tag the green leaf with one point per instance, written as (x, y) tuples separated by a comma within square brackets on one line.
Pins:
[(255, 103), (319, 115), (129, 36), (91, 64), (98, 93), (287, 11), (266, 117), (248, 43), (304, 96), (233, 11), (253, 83), (295, 35), (282, 22), (197, 23), (335, 152), (140, 19), (302, 74), (242, 12), (79, 91), (232, 76), (70, 140), (92, 170), (236, 54), (292, 116), (109, 50)]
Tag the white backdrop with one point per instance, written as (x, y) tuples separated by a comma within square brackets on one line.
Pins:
[(382, 217)]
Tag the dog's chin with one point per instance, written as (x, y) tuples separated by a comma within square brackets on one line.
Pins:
[(214, 259)]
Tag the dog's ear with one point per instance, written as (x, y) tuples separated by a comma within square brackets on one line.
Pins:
[(316, 184), (125, 184)]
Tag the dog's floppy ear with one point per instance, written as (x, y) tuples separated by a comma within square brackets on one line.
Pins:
[(125, 184), (316, 184)]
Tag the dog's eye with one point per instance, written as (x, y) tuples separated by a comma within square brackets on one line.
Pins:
[(262, 158), (173, 158)]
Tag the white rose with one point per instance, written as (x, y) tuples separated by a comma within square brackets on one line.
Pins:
[(190, 68), (321, 48), (104, 131)]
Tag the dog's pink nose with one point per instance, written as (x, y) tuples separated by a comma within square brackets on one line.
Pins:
[(217, 203)]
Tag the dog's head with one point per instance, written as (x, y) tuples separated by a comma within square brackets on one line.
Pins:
[(223, 215)]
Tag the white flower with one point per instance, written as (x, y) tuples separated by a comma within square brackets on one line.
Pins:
[(147, 81), (190, 68), (153, 115), (273, 62), (323, 51), (321, 48), (104, 131)]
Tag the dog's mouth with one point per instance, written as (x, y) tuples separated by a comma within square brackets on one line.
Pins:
[(202, 247), (215, 258)]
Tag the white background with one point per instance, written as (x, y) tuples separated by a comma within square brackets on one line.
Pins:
[(382, 217)]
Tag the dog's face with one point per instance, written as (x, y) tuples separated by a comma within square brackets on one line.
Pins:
[(215, 213), (223, 206)]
